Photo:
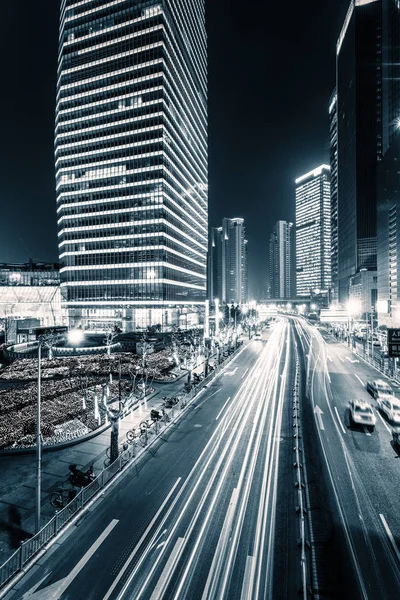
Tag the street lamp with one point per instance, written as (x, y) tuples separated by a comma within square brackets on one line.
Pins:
[(47, 340), (75, 337)]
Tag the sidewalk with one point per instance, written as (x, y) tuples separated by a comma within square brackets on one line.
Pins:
[(18, 472)]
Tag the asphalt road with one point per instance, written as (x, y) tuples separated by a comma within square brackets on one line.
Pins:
[(362, 467), (197, 517)]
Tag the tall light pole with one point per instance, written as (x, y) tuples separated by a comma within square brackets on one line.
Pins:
[(38, 440), (216, 302), (47, 340)]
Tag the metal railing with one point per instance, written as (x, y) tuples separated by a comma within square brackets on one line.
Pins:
[(27, 551)]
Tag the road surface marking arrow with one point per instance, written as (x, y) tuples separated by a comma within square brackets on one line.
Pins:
[(351, 360), (230, 373), (55, 590), (318, 412)]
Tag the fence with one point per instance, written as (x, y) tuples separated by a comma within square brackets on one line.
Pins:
[(31, 547)]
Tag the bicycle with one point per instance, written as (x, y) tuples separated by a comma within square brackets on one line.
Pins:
[(124, 454), (63, 496)]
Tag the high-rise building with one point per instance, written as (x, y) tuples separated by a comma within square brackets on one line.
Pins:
[(228, 278), (334, 197), (234, 261), (131, 162), (359, 138), (215, 265), (313, 232), (388, 242), (390, 71), (280, 261)]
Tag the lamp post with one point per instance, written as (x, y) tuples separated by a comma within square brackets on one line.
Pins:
[(38, 441), (47, 340)]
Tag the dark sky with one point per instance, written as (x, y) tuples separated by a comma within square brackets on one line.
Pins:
[(272, 70)]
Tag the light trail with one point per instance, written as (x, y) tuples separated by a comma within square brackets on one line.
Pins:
[(238, 412)]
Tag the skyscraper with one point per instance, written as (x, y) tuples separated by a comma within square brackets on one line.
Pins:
[(228, 263), (280, 261), (334, 196), (131, 162), (215, 265), (359, 138), (313, 232), (388, 232), (234, 261)]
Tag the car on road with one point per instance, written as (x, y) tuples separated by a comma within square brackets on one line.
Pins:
[(361, 413), (258, 336), (379, 388), (390, 406)]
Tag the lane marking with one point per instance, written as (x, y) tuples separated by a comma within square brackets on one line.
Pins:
[(360, 380), (318, 415), (167, 571), (329, 358), (245, 595), (244, 373), (219, 414), (390, 536), (213, 394), (339, 419), (341, 359), (366, 431), (135, 550), (383, 421), (55, 590)]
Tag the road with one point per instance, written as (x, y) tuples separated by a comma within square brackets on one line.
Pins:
[(362, 467), (197, 518)]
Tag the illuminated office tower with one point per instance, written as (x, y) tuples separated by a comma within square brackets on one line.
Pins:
[(359, 89), (334, 196), (280, 261), (313, 232), (131, 162)]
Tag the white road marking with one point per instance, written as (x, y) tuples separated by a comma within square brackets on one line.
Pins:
[(318, 412), (213, 394), (244, 374), (247, 578), (390, 536), (366, 431), (341, 359), (230, 373), (167, 571), (360, 380), (383, 421), (340, 420), (219, 414), (329, 358), (55, 590), (135, 550)]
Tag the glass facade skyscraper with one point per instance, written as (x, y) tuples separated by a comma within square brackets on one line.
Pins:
[(313, 232), (280, 261), (334, 195), (359, 138), (228, 262), (131, 162)]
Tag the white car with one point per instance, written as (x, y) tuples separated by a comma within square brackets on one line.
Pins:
[(258, 336), (390, 406), (379, 388), (361, 413)]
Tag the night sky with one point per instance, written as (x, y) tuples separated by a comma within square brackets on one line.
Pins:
[(272, 70)]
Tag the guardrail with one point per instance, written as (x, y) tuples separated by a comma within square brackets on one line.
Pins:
[(300, 509), (29, 549)]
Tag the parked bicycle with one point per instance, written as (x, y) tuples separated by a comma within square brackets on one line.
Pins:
[(63, 496), (124, 454)]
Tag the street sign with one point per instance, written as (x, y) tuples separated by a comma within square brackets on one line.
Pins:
[(393, 337)]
